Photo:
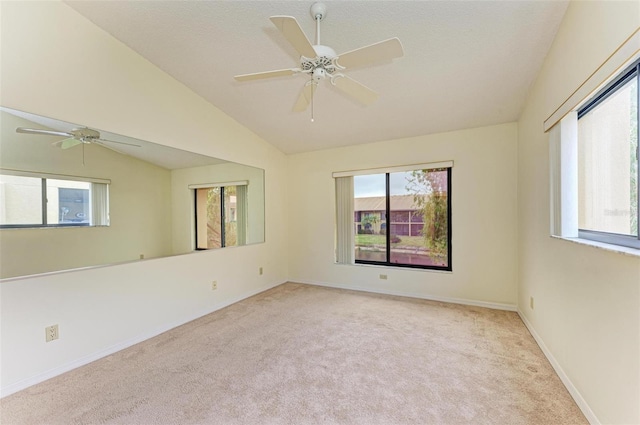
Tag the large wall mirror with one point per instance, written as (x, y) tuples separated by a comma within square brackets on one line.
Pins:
[(68, 204)]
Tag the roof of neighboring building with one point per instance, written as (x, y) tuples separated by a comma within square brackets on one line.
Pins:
[(377, 203)]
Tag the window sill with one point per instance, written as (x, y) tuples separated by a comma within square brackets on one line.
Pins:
[(386, 267), (604, 246)]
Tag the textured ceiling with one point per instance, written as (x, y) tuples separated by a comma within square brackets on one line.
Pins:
[(466, 64)]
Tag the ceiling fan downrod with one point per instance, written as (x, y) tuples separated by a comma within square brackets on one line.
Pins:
[(318, 12)]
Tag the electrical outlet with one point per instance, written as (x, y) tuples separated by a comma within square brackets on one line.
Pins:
[(383, 276), (531, 302), (214, 285), (142, 256), (51, 333), (260, 271)]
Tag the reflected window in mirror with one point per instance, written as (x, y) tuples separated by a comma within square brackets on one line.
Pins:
[(220, 215), (31, 200)]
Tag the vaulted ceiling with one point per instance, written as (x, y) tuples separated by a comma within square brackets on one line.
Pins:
[(466, 63)]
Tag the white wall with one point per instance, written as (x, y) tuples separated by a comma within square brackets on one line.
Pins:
[(57, 64), (587, 301), (183, 203), (484, 216), (139, 198)]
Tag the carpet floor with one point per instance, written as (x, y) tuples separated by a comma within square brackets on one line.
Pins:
[(300, 354)]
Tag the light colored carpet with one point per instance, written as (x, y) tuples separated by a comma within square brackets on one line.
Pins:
[(300, 354)]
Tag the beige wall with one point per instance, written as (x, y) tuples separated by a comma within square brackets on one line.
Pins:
[(484, 214), (587, 301), (139, 198), (56, 63)]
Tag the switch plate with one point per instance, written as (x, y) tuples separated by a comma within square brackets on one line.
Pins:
[(260, 271), (214, 285)]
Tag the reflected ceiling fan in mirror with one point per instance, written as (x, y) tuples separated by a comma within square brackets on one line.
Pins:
[(321, 62), (75, 137)]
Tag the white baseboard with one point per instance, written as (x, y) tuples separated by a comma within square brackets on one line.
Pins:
[(580, 401), (41, 377), (486, 304)]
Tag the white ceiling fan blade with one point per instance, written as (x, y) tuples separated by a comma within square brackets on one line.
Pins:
[(359, 92), (378, 52), (266, 74), (291, 30), (44, 132), (305, 97), (69, 143), (103, 141), (104, 145)]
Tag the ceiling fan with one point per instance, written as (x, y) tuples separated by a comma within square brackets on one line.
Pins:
[(321, 62), (75, 137)]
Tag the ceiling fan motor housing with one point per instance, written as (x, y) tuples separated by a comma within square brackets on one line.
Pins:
[(323, 64), (85, 135)]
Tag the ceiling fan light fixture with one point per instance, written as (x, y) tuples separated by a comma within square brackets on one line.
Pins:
[(319, 73)]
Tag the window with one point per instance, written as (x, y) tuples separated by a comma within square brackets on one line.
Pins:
[(220, 215), (399, 217), (31, 200), (608, 163)]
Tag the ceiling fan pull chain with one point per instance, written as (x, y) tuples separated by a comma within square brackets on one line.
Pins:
[(312, 96)]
